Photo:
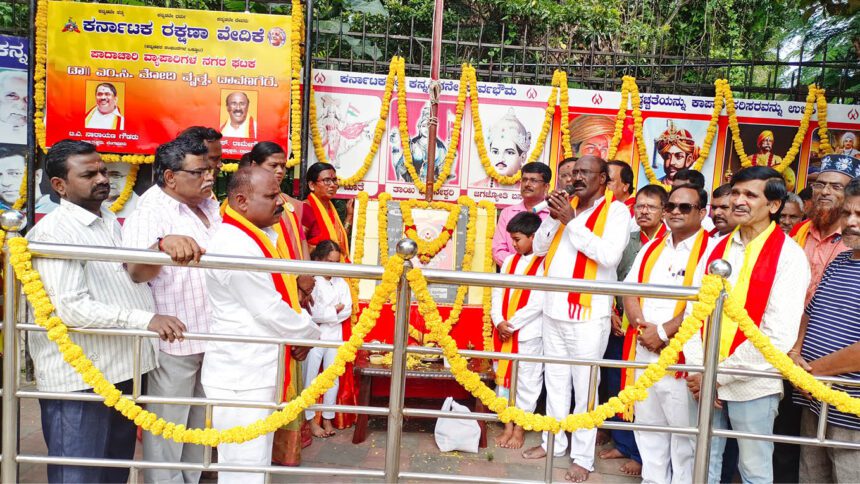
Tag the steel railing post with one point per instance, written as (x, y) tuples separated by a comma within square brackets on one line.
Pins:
[(407, 249), (708, 389), (11, 221)]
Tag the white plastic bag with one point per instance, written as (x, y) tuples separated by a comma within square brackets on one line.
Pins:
[(455, 433)]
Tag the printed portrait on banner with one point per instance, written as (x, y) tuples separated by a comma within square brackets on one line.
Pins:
[(13, 166), (346, 123), (418, 114), (13, 90), (844, 142), (765, 145), (672, 145), (105, 102), (510, 134), (239, 114)]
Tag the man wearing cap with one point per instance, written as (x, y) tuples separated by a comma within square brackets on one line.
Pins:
[(765, 157)]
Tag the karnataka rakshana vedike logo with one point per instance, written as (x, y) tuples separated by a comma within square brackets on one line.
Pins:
[(277, 37), (71, 26)]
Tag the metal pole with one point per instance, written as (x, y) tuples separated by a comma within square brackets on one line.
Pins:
[(306, 95), (550, 454), (11, 221), (432, 129), (708, 388), (407, 249), (512, 397)]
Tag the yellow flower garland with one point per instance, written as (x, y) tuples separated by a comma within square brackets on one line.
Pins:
[(823, 137), (130, 159), (296, 33), (489, 267), (630, 92), (712, 126), (229, 167), (127, 190), (448, 162), (428, 249), (378, 133), (620, 117), (74, 355), (382, 227), (559, 78), (40, 70)]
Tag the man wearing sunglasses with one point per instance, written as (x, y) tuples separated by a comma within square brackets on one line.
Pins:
[(178, 216), (769, 277), (583, 238), (671, 260)]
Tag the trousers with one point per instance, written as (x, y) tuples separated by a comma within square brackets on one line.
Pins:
[(256, 452), (666, 457), (565, 339), (311, 366), (87, 429), (176, 376)]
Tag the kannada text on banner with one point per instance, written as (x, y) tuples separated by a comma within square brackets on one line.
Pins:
[(129, 78)]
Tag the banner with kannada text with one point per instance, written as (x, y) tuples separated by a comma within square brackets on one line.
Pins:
[(674, 129), (129, 78)]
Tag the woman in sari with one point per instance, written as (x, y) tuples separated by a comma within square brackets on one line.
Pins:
[(322, 222)]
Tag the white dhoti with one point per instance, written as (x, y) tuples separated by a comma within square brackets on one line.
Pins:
[(257, 452), (566, 339), (311, 365), (529, 376), (666, 457)]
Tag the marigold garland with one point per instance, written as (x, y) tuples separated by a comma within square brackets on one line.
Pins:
[(127, 190), (448, 162), (823, 136), (712, 126), (489, 267), (382, 226), (559, 78), (378, 133), (229, 167), (296, 36), (428, 249), (40, 70), (74, 355), (630, 93)]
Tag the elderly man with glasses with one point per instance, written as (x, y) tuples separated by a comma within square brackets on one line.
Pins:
[(177, 215)]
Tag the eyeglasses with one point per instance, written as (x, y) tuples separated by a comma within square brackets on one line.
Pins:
[(646, 208), (818, 186), (582, 173), (532, 181), (199, 173), (327, 181), (684, 208)]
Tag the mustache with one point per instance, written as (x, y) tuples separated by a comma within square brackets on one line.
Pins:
[(279, 210), (851, 232), (101, 186)]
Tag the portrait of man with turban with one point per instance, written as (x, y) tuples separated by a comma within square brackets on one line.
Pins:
[(677, 148), (848, 145), (591, 135), (508, 144), (764, 157)]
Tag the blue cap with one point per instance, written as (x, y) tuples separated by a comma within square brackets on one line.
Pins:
[(847, 165)]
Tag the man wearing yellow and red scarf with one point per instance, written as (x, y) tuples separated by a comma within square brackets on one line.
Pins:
[(770, 274), (669, 260), (583, 238), (251, 303)]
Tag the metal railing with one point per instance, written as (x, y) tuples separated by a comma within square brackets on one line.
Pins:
[(396, 411)]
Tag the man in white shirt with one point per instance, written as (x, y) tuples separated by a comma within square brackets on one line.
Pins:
[(89, 295), (577, 325), (240, 124), (105, 114), (777, 285), (670, 260), (176, 215), (250, 303)]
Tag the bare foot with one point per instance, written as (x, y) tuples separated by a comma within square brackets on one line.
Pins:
[(576, 473), (536, 452), (603, 437), (505, 436), (318, 431), (328, 427), (612, 453), (631, 468), (517, 439)]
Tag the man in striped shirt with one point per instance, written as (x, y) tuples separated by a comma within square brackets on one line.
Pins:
[(829, 345), (89, 295)]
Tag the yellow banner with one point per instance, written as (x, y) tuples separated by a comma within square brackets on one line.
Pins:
[(129, 78)]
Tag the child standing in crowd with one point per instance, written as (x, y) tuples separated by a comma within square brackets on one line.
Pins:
[(331, 307), (517, 317)]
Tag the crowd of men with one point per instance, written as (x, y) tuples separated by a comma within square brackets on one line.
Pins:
[(794, 268)]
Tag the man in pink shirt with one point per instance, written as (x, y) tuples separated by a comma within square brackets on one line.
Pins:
[(533, 187)]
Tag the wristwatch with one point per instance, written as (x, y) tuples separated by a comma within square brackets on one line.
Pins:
[(661, 332)]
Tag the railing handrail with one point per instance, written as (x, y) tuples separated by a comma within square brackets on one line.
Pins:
[(361, 271)]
